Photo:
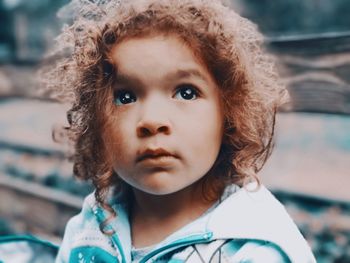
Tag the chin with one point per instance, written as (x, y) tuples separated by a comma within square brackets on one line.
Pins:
[(158, 188)]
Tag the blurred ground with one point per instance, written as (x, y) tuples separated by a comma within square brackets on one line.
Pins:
[(312, 155)]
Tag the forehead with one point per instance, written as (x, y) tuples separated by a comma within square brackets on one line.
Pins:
[(155, 55)]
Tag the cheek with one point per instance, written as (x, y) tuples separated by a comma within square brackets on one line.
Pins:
[(206, 133), (213, 123), (218, 123), (211, 139)]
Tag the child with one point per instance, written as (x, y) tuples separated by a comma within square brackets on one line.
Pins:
[(172, 117)]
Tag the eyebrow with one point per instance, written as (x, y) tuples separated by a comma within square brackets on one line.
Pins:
[(127, 79), (181, 74)]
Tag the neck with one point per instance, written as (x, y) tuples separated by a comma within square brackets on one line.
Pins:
[(154, 217)]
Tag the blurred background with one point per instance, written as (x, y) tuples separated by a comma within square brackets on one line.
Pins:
[(309, 171)]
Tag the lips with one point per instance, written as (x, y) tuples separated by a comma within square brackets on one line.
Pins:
[(154, 154)]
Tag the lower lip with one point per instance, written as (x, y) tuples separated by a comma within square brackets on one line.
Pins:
[(159, 161)]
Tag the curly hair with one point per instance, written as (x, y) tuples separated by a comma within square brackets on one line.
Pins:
[(231, 49)]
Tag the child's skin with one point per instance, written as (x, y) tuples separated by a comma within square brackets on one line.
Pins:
[(168, 106)]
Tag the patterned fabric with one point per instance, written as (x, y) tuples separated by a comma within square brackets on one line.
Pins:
[(222, 251), (138, 253)]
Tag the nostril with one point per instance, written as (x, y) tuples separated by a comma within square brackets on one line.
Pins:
[(163, 129), (147, 129), (143, 132)]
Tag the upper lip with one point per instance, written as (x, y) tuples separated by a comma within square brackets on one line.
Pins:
[(153, 153)]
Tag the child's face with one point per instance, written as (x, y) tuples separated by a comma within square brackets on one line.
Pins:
[(165, 126)]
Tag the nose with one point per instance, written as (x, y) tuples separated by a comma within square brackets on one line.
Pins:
[(153, 120)]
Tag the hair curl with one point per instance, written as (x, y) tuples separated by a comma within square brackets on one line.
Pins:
[(229, 45)]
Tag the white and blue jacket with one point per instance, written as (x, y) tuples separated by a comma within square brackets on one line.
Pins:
[(248, 226)]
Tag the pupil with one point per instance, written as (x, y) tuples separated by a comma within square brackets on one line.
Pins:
[(126, 98), (187, 94)]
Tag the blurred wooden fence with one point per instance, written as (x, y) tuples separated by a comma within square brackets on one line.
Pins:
[(316, 70)]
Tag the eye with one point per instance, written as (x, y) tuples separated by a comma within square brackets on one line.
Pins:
[(124, 97), (186, 92)]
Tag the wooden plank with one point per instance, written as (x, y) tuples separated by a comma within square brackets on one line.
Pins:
[(36, 209)]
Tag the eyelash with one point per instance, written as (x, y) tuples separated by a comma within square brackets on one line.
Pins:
[(186, 89)]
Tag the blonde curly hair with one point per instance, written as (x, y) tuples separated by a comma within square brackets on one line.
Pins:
[(229, 45)]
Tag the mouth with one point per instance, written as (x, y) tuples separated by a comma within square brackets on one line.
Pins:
[(155, 154)]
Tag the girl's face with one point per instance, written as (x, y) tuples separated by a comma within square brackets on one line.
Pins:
[(165, 125)]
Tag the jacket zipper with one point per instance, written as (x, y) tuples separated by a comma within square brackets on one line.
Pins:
[(193, 239)]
